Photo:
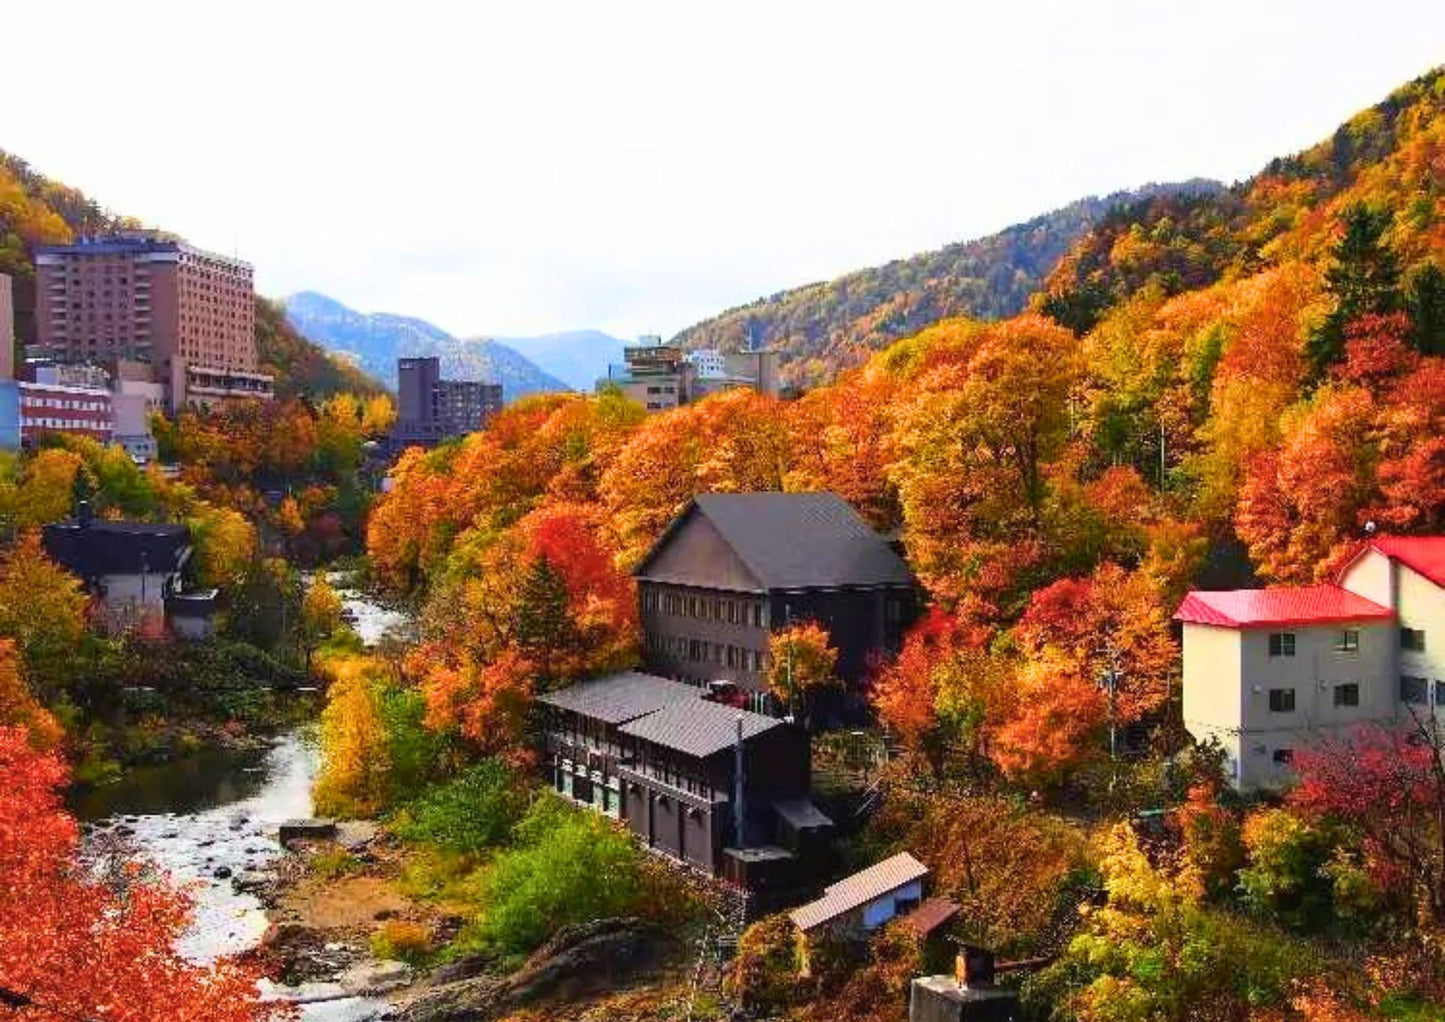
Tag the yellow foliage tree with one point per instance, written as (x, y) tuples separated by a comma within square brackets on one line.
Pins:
[(18, 705), (354, 760), (225, 542)]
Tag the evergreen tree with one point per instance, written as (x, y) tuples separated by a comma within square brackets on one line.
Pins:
[(1364, 280), (1425, 303), (543, 621)]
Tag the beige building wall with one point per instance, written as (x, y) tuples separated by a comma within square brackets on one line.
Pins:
[(1422, 607), (1229, 675)]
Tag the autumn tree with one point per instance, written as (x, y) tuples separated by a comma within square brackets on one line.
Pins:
[(320, 614), (801, 661), (78, 947), (43, 611), (19, 707)]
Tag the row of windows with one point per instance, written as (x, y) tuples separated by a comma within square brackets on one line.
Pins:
[(734, 612), (700, 651), (90, 425), (69, 403), (1346, 641), (1347, 694)]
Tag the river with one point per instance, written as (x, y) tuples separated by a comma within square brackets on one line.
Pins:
[(211, 818)]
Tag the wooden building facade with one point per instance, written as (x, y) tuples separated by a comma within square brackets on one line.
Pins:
[(655, 754), (733, 568)]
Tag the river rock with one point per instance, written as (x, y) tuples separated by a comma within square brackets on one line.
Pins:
[(373, 978), (306, 830), (222, 872), (250, 881), (354, 835)]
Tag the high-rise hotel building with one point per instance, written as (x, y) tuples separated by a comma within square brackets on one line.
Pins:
[(139, 296)]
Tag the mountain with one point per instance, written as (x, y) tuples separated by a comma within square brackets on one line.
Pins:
[(35, 210), (376, 340), (577, 357), (824, 327)]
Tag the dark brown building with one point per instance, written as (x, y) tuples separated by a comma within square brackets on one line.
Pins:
[(734, 567), (654, 753)]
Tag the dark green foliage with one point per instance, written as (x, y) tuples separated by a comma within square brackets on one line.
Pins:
[(470, 814), (543, 620), (1364, 280), (418, 754), (1425, 302), (262, 608)]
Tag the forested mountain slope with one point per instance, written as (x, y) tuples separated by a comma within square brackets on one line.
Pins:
[(35, 210), (824, 327)]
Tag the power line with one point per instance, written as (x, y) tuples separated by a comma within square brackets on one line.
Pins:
[(14, 999)]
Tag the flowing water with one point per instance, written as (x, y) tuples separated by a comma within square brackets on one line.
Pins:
[(211, 818)]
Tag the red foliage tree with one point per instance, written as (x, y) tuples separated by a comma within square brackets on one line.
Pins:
[(74, 945)]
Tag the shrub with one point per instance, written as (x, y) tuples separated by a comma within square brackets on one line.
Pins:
[(764, 974), (402, 939), (474, 812), (569, 867), (333, 863)]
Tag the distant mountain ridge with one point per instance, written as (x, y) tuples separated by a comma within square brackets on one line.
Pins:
[(376, 340), (828, 326)]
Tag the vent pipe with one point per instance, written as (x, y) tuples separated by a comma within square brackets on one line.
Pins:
[(739, 809)]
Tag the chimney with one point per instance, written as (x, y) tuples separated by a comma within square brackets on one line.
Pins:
[(740, 818), (974, 967)]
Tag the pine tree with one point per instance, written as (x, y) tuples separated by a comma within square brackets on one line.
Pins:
[(1364, 280), (1425, 303), (544, 623)]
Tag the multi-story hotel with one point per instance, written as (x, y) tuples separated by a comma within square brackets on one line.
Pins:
[(1269, 671), (431, 409), (144, 297)]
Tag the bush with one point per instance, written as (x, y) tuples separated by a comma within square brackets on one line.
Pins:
[(764, 974), (401, 939), (417, 754), (569, 866), (470, 814)]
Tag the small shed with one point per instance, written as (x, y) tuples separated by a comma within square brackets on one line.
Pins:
[(855, 906)]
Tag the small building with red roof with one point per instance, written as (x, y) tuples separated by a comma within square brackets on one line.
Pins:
[(1267, 671)]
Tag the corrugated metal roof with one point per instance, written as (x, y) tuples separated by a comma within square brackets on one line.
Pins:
[(801, 814), (859, 889), (92, 549), (1259, 608), (618, 698), (698, 728), (796, 540), (1423, 554), (930, 915)]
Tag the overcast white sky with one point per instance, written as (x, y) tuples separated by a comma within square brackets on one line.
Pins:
[(528, 166)]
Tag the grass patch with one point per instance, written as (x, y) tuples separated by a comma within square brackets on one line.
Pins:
[(334, 863)]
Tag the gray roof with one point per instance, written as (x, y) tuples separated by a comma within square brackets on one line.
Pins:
[(796, 540), (859, 889), (801, 814), (621, 697), (698, 728)]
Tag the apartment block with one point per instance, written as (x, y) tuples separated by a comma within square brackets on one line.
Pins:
[(145, 297), (1269, 671), (431, 410)]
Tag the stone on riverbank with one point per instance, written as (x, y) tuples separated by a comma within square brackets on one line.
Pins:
[(306, 830)]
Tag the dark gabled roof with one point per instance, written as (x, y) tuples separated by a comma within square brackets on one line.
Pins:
[(801, 814), (618, 698), (98, 548), (795, 540), (698, 728)]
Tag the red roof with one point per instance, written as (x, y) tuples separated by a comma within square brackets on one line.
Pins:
[(1260, 608), (1423, 554), (930, 915)]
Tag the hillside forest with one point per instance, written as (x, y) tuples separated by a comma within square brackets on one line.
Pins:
[(1211, 387), (1220, 388)]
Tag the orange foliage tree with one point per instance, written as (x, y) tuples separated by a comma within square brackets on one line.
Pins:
[(75, 945)]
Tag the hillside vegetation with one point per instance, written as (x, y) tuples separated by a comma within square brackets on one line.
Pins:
[(823, 328), (1214, 388), (35, 210)]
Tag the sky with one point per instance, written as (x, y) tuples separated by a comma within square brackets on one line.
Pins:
[(530, 166)]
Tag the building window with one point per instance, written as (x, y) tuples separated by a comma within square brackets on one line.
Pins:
[(1281, 644), (1281, 700), (1284, 757), (1347, 694), (1412, 639), (1348, 642), (1439, 692), (1413, 690)]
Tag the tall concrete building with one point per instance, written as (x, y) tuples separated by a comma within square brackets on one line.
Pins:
[(145, 297), (7, 328), (431, 409)]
